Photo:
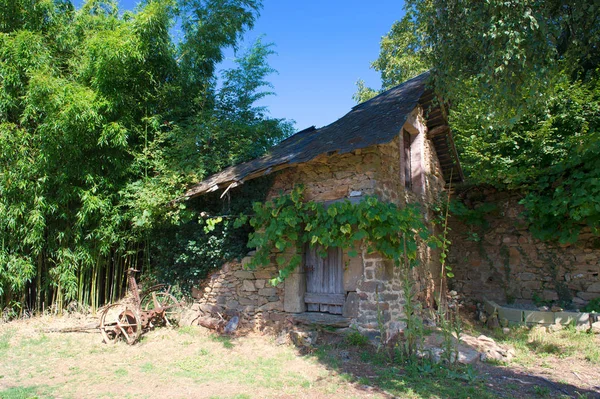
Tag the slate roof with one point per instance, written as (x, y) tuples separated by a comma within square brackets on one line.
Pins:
[(376, 121)]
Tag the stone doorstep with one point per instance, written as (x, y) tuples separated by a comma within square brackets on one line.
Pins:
[(323, 319), (569, 317), (534, 316)]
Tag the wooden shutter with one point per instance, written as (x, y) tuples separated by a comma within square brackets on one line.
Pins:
[(407, 160)]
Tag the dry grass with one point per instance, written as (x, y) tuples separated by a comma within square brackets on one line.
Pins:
[(184, 363)]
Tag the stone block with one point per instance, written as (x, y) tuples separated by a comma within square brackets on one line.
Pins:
[(536, 317), (512, 315), (587, 296), (263, 274), (272, 306), (373, 306), (293, 294), (570, 317), (350, 308), (247, 301), (514, 257), (490, 307), (260, 284), (246, 261), (261, 301), (210, 309), (268, 291), (526, 276), (244, 274), (384, 270), (594, 288), (248, 285), (353, 272), (371, 286), (232, 304), (550, 295)]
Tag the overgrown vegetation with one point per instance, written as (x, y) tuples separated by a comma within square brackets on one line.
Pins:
[(104, 118), (522, 77), (287, 223)]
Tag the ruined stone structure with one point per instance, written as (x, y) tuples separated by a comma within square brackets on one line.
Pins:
[(385, 147), (503, 262)]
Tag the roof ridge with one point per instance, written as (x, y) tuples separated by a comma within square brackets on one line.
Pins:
[(385, 92)]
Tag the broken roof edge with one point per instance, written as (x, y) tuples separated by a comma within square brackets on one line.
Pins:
[(207, 186)]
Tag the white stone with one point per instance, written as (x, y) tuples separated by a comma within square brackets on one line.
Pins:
[(355, 193), (467, 355)]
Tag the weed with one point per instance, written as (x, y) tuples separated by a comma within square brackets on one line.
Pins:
[(355, 338), (121, 372), (592, 306), (147, 367), (542, 392), (225, 340), (187, 330)]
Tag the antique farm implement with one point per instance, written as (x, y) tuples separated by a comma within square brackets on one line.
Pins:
[(131, 317), (127, 321)]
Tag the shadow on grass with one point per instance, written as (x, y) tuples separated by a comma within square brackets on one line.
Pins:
[(420, 379)]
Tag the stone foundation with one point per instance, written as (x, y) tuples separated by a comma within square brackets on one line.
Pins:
[(504, 262)]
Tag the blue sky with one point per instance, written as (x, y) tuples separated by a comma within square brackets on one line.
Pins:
[(323, 47)]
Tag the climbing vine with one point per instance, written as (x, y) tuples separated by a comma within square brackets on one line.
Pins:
[(288, 222)]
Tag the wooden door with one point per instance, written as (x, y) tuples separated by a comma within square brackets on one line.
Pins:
[(324, 280)]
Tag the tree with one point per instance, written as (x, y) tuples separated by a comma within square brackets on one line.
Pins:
[(522, 80), (104, 118)]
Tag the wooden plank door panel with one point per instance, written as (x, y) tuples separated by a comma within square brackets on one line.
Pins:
[(324, 280)]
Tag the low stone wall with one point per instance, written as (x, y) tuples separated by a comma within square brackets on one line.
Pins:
[(246, 293), (504, 262), (510, 316)]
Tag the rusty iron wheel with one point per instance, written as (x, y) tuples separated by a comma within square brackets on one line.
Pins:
[(130, 324), (164, 303), (108, 324), (118, 321)]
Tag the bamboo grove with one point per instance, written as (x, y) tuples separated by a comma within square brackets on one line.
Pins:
[(104, 117)]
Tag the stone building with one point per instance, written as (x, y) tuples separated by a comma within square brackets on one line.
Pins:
[(396, 146)]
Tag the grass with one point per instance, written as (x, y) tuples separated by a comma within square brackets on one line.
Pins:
[(25, 393), (532, 344), (192, 363), (417, 380)]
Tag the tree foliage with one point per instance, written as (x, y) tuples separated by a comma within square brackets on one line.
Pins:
[(104, 118), (522, 80)]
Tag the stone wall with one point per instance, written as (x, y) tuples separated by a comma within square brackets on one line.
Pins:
[(247, 293), (504, 262), (380, 297), (427, 185)]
